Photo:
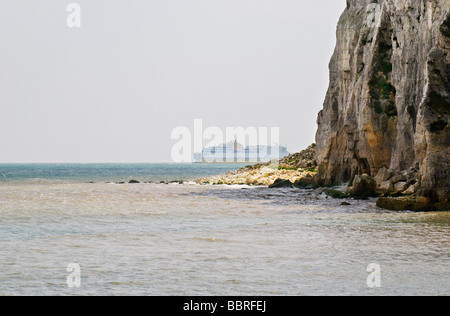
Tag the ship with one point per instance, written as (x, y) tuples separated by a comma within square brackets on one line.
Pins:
[(234, 152)]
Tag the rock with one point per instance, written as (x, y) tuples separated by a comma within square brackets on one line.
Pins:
[(133, 181), (281, 183), (411, 182), (307, 182), (302, 160), (399, 178), (385, 187), (409, 203), (400, 187), (397, 204), (412, 172), (388, 101), (383, 175), (345, 204), (263, 175), (445, 27), (336, 194), (410, 190), (363, 186)]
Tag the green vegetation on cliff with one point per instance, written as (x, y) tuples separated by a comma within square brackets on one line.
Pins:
[(381, 90)]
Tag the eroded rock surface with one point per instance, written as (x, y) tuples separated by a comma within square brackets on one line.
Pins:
[(388, 103)]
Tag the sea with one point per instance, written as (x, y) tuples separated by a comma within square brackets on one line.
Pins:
[(83, 229)]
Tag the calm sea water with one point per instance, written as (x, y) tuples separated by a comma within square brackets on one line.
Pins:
[(40, 173), (172, 239)]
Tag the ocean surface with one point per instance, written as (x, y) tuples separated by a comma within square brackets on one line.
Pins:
[(188, 239)]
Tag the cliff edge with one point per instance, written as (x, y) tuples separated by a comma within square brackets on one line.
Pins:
[(387, 108)]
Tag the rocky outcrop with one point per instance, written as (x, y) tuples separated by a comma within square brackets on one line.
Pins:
[(281, 183), (387, 108), (302, 160), (363, 186), (307, 182), (299, 169), (259, 175)]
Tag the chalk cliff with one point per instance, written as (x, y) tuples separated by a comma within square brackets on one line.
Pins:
[(387, 109)]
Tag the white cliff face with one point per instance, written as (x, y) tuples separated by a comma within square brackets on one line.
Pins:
[(388, 101)]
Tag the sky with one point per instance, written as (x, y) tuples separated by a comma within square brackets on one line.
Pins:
[(114, 89)]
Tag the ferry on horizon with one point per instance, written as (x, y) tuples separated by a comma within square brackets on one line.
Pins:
[(234, 152)]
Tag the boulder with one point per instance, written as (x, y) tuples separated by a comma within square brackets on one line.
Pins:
[(363, 186), (410, 203), (397, 203), (399, 178), (383, 175), (410, 190), (335, 193), (307, 182), (281, 183), (400, 186), (385, 187)]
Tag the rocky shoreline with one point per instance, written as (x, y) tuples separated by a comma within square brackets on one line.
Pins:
[(259, 175), (394, 190), (292, 169)]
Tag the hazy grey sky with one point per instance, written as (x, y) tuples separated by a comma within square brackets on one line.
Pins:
[(114, 89)]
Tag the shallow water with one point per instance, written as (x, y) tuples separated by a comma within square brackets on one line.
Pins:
[(157, 239)]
